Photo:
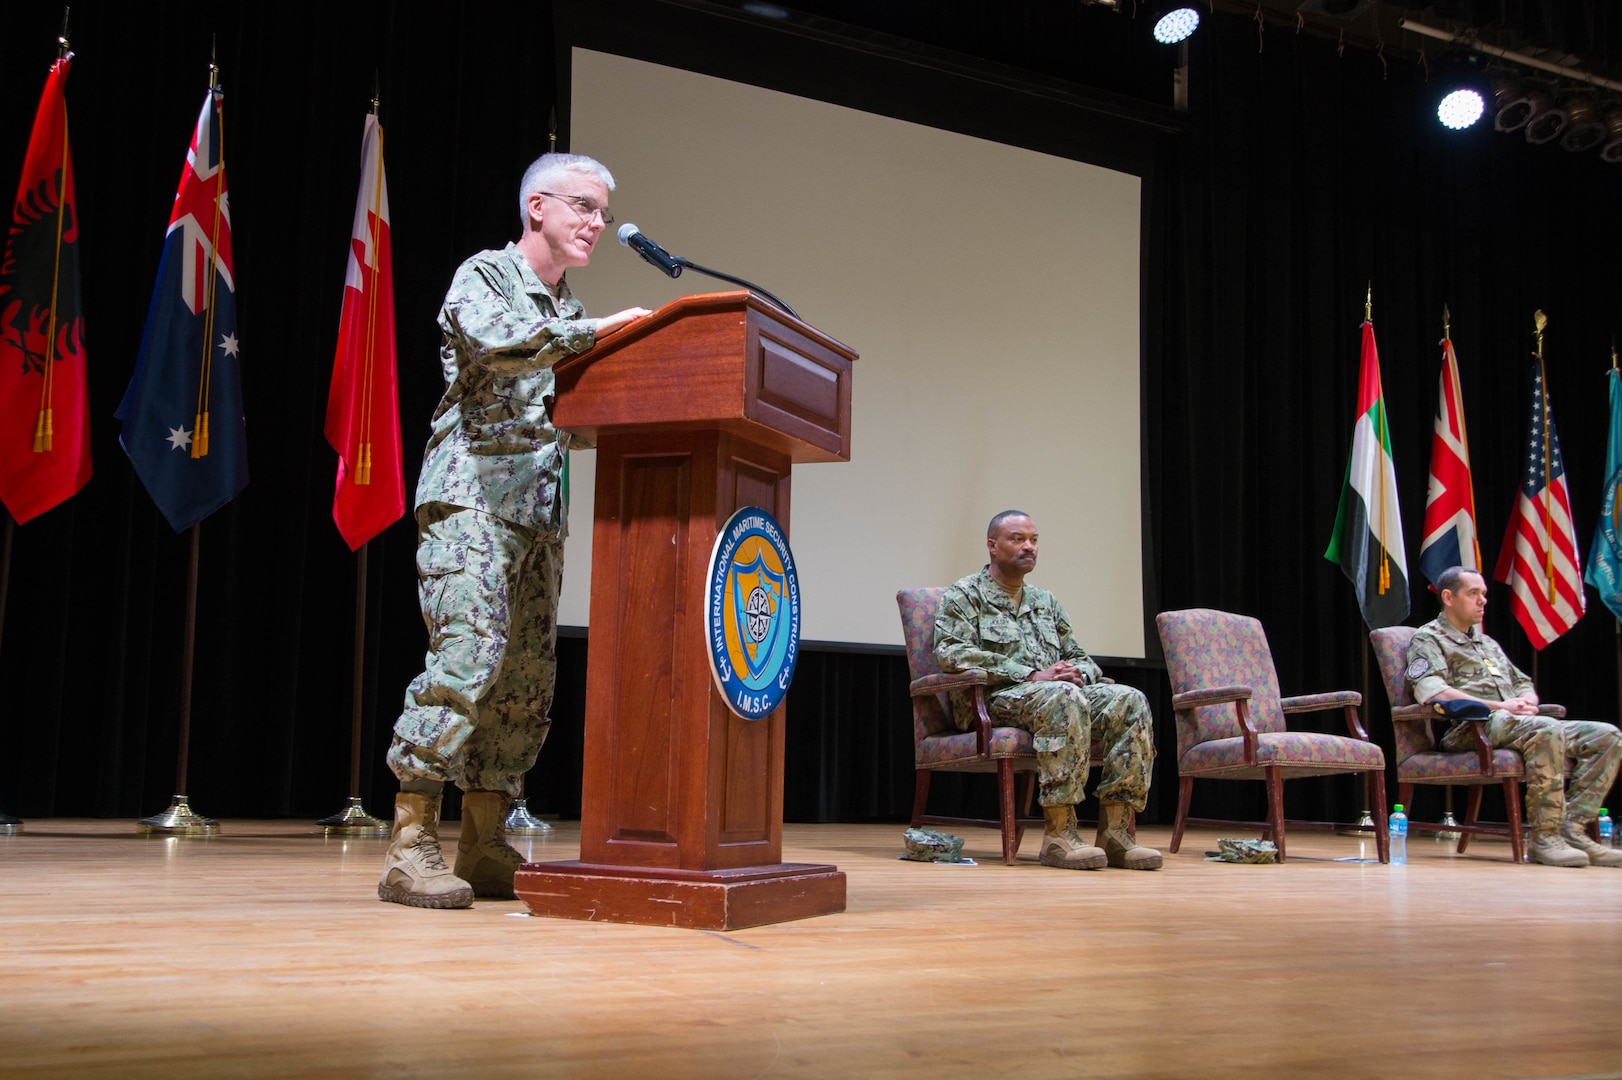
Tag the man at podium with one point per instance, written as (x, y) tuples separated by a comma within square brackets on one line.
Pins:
[(1038, 678), (490, 528)]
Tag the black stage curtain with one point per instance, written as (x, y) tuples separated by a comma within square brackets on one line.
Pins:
[(1302, 176)]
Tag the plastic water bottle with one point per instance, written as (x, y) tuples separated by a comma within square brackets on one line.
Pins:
[(1607, 831), (1399, 836)]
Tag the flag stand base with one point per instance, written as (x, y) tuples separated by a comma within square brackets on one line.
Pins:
[(10, 826), (520, 820), (353, 820), (1365, 825), (179, 820)]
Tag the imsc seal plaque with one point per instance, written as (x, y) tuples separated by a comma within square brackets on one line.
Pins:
[(752, 614)]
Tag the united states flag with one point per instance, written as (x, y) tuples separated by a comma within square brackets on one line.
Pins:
[(1539, 558), (1450, 503)]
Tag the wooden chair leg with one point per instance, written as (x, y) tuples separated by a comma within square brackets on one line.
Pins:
[(920, 796), (1275, 808), (1405, 795), (1024, 794), (1512, 810), (1185, 790), (1472, 814), (1005, 800), (1382, 822)]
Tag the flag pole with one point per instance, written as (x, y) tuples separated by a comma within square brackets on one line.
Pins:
[(9, 825), (353, 820), (180, 819)]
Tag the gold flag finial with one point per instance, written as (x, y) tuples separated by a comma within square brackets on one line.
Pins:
[(552, 131), (1540, 321), (1447, 324), (1368, 304), (377, 93), (213, 62), (63, 52)]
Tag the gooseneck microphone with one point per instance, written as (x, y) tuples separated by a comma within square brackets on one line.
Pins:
[(632, 237)]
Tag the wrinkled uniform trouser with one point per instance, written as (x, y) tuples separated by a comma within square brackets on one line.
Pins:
[(477, 715), (1545, 743), (1062, 719)]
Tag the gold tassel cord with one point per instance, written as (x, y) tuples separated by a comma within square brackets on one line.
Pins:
[(363, 473), (1548, 479), (44, 424), (205, 385)]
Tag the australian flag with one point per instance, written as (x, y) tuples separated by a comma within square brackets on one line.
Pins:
[(182, 413)]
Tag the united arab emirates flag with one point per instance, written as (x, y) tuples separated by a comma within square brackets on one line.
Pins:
[(1367, 542)]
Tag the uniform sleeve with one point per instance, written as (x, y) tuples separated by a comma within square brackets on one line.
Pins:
[(479, 317), (958, 647), (1427, 667), (1522, 683), (1070, 649)]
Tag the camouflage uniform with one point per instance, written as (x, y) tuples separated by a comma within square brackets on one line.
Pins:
[(980, 627), (490, 528), (1441, 656)]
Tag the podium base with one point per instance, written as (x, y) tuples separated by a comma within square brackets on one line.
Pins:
[(692, 899)]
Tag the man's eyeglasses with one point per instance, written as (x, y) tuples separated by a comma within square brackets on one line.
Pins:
[(582, 206)]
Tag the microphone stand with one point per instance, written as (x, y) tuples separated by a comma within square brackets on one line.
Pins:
[(688, 264)]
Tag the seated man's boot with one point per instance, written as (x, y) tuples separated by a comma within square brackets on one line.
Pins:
[(1550, 848), (1063, 847), (483, 856), (414, 870), (1576, 835), (1115, 837)]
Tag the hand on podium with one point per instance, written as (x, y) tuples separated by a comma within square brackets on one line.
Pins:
[(620, 320)]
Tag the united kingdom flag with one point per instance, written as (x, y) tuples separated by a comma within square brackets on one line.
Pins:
[(1450, 503), (182, 416)]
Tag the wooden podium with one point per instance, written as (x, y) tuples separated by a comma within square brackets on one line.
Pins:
[(698, 409)]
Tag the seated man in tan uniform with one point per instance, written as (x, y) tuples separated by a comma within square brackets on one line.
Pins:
[(1040, 679), (1450, 659)]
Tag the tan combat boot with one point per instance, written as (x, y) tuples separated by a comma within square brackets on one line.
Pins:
[(1551, 849), (483, 856), (414, 870), (1115, 837), (1063, 847), (1598, 854)]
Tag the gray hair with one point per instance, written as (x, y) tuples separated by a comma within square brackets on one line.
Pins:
[(1450, 579), (996, 522), (545, 171)]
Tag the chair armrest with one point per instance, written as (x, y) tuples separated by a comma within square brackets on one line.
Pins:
[(1211, 695), (936, 684), (1335, 699), (1237, 696), (1411, 714)]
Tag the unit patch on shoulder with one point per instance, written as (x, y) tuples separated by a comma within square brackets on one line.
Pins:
[(1418, 668), (752, 614)]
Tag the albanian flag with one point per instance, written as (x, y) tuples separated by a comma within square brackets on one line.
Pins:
[(44, 407)]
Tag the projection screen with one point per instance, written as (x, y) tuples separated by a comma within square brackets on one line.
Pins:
[(991, 291)]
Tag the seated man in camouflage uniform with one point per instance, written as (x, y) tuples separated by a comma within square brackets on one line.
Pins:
[(1450, 659), (490, 525), (1040, 679)]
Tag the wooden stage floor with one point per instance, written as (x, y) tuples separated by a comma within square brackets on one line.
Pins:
[(263, 952)]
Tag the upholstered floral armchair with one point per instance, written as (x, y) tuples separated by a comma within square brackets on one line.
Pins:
[(938, 744), (1421, 760), (1231, 721)]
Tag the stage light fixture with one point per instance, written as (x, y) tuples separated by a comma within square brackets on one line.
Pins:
[(1512, 108), (1176, 25), (1548, 119), (1585, 128), (1612, 150), (1461, 94)]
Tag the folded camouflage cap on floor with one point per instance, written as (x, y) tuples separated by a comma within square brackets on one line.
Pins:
[(927, 845), (1244, 851)]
